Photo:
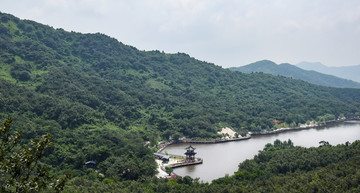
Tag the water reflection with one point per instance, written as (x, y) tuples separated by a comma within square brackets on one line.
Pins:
[(223, 158)]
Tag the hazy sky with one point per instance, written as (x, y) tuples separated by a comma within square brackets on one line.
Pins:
[(225, 32)]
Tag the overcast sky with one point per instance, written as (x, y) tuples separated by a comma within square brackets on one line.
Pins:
[(225, 32)]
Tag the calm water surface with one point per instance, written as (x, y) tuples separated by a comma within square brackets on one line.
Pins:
[(223, 158)]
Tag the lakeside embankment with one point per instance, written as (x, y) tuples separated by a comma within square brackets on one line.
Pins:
[(162, 146), (255, 144), (224, 158), (280, 130)]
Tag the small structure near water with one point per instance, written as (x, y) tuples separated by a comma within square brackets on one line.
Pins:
[(162, 156), (176, 161), (189, 159), (190, 154)]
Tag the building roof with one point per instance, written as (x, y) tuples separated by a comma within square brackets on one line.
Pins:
[(174, 176), (190, 148), (162, 156), (90, 162)]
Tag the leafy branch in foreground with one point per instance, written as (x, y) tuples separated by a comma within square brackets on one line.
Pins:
[(20, 167)]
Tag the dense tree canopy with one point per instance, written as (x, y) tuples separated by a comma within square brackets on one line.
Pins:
[(94, 79), (279, 167), (101, 100), (20, 167)]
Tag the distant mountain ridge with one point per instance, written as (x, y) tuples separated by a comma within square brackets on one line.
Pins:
[(347, 72), (292, 71), (101, 100)]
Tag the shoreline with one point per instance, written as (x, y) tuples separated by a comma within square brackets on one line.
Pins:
[(211, 141), (298, 128), (249, 135)]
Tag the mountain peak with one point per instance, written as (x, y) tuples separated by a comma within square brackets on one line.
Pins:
[(264, 62), (295, 72)]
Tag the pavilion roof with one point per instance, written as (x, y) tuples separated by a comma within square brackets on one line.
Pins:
[(190, 148)]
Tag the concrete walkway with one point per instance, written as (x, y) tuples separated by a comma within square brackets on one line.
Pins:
[(161, 174)]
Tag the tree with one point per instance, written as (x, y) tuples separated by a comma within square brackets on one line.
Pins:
[(20, 167), (236, 135), (324, 143), (169, 170)]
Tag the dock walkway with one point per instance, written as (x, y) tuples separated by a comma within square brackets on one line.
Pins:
[(184, 163)]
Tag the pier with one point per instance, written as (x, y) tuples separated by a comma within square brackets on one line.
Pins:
[(184, 163), (188, 160)]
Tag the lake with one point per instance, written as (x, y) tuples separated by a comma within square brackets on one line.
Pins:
[(223, 158)]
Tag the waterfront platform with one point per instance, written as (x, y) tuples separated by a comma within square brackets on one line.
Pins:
[(184, 163)]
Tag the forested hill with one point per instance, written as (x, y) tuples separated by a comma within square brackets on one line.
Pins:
[(292, 71), (100, 99), (348, 72), (97, 80)]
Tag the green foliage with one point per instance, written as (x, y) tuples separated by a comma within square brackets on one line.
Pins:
[(324, 118), (282, 167), (169, 170), (97, 79), (101, 100), (20, 167), (21, 72), (321, 169)]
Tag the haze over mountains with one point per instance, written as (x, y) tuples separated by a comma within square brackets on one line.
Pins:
[(101, 100), (347, 72), (292, 71)]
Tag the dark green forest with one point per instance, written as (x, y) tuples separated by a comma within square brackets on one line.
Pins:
[(279, 167), (101, 100)]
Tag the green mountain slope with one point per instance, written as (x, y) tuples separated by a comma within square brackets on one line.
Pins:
[(101, 99), (120, 85), (347, 72), (292, 71)]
